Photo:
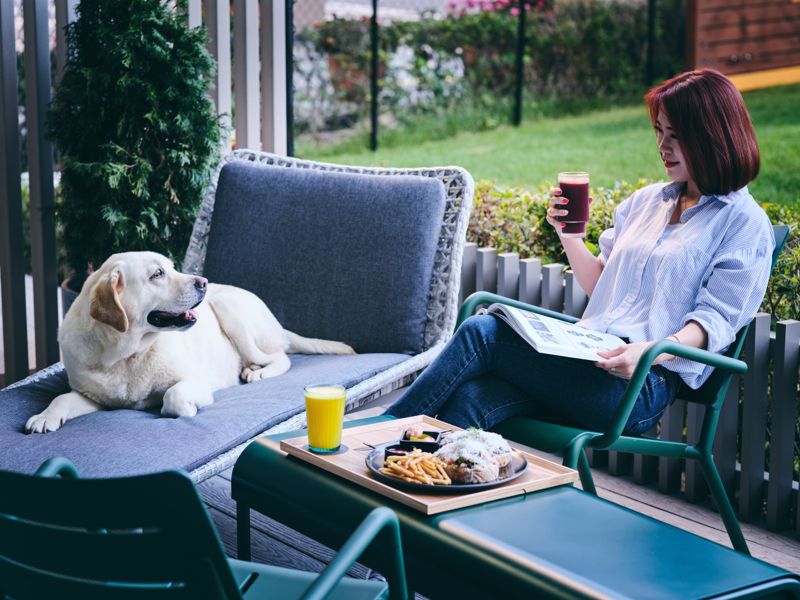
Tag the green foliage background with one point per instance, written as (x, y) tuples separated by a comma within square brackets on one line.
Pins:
[(135, 129), (513, 220), (579, 50)]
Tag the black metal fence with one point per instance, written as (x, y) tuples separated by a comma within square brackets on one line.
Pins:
[(365, 70)]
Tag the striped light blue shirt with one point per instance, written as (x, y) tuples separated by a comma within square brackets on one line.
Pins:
[(711, 267)]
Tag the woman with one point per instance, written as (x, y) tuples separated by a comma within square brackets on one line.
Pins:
[(687, 260)]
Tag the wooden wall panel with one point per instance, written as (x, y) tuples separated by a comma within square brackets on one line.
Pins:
[(739, 36)]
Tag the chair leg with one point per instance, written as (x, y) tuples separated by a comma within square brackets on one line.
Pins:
[(586, 474), (723, 504), (242, 531), (575, 458)]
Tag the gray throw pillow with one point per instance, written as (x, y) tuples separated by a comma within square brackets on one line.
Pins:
[(338, 256)]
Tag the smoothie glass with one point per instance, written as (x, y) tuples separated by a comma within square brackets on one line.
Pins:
[(575, 188)]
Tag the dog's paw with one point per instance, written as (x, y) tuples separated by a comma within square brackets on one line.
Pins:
[(178, 409), (43, 423), (344, 349), (252, 373)]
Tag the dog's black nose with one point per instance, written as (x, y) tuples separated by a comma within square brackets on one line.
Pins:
[(200, 283)]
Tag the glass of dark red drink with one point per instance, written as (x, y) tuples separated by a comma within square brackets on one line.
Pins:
[(575, 188)]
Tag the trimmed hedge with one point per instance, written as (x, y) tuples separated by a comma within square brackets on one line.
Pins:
[(513, 220)]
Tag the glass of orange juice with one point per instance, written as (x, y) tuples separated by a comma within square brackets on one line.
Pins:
[(325, 413)]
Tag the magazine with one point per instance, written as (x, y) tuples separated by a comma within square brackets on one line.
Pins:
[(552, 336)]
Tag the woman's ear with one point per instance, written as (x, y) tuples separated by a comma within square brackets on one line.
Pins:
[(105, 305)]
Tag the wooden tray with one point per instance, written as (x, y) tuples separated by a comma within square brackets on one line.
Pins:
[(540, 474)]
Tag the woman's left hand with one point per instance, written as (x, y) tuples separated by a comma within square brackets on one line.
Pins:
[(622, 361)]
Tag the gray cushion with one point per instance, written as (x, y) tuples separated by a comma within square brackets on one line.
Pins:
[(338, 256), (130, 442)]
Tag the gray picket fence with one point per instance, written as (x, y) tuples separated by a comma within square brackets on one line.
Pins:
[(756, 444)]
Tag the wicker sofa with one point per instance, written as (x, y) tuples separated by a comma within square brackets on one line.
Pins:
[(368, 256)]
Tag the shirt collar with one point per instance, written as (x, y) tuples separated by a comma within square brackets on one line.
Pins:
[(672, 190)]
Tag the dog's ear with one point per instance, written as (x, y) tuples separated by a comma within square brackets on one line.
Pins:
[(105, 305)]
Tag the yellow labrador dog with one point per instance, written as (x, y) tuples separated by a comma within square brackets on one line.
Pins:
[(139, 334)]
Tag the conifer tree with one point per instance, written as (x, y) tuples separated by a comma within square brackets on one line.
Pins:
[(136, 130)]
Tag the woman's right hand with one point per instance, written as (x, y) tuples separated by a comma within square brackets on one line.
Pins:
[(584, 264), (555, 210)]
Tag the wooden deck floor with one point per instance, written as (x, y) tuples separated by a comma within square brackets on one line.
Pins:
[(275, 544)]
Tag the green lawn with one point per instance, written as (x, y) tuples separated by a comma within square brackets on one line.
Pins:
[(612, 145)]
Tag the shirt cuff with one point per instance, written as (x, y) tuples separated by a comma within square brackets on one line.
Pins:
[(718, 330)]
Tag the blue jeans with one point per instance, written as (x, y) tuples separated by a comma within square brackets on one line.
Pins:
[(487, 373)]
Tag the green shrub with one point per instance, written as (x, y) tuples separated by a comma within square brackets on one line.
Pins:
[(135, 128), (783, 293), (513, 220)]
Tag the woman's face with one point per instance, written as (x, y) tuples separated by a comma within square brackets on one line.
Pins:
[(670, 149)]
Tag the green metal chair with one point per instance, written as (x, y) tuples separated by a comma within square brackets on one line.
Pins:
[(150, 536), (572, 441)]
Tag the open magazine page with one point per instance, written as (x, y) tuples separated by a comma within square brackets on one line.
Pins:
[(552, 336)]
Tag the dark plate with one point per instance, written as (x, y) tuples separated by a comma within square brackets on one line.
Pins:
[(514, 469)]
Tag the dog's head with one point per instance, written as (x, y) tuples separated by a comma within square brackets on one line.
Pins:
[(144, 289)]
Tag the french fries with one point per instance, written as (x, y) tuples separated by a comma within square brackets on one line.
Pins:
[(416, 467)]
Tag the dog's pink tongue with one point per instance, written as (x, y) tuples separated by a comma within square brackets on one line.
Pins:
[(191, 315)]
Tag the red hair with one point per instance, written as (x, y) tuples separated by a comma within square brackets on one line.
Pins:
[(709, 118)]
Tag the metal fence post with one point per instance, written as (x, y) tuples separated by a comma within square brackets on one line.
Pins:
[(517, 117), (754, 419), (273, 77), (553, 287), (651, 41), (508, 274), (289, 77), (469, 267), (42, 192), (725, 444), (218, 25), (486, 270), (65, 14), (194, 14), (12, 262), (784, 418), (373, 41), (246, 74), (530, 280)]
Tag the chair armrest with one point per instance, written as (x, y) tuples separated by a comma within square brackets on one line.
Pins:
[(58, 466), (377, 520), (474, 300), (719, 361), (625, 407)]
